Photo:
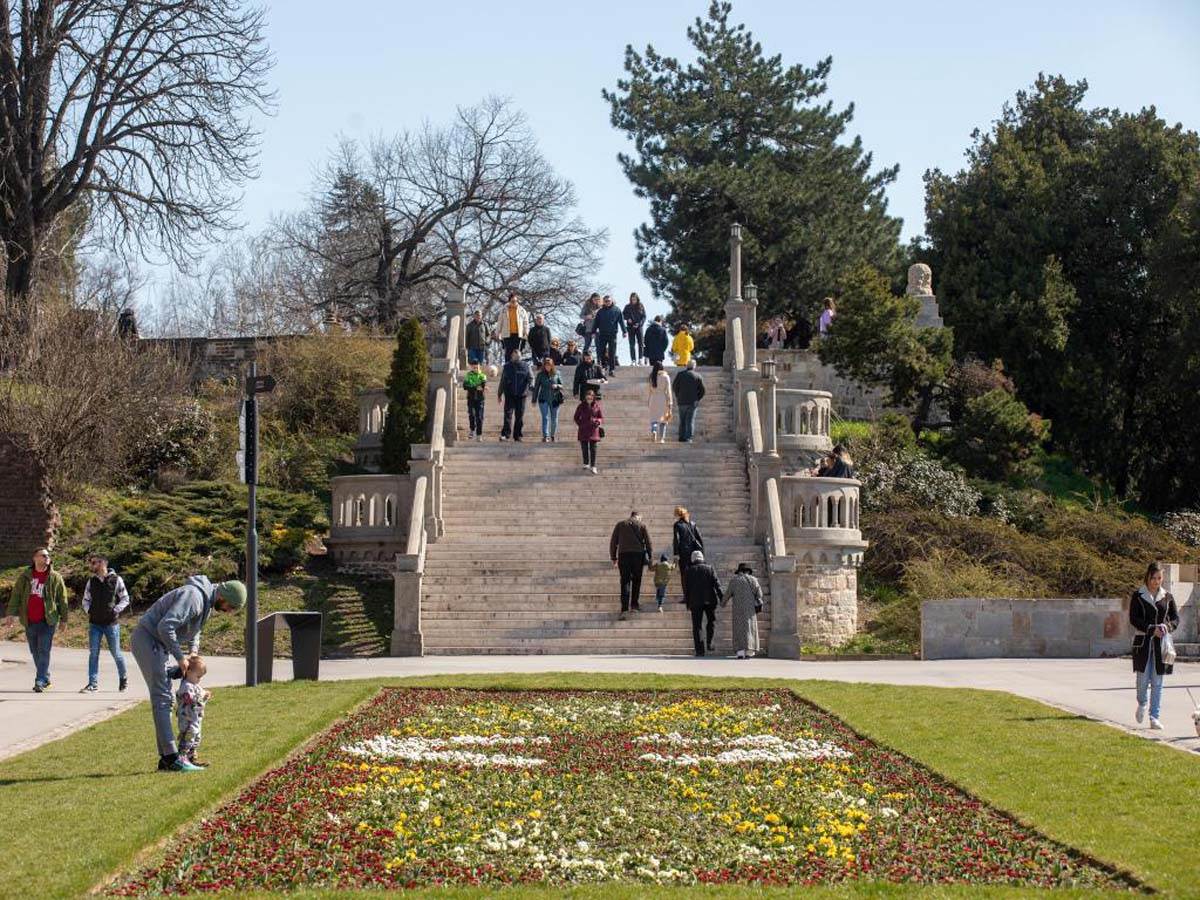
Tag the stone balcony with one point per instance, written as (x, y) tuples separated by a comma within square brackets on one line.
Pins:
[(803, 419), (372, 415), (821, 520)]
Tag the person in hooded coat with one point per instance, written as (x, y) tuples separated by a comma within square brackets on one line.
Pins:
[(744, 595), (1153, 615)]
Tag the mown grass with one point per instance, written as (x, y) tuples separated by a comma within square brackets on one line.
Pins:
[(1117, 797)]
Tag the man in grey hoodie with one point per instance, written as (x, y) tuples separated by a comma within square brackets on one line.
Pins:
[(170, 629)]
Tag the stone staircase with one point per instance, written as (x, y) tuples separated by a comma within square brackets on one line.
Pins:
[(523, 565)]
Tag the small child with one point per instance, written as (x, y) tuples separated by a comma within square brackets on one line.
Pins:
[(475, 384), (189, 709), (662, 574)]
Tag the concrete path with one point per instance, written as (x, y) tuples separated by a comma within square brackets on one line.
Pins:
[(1101, 689)]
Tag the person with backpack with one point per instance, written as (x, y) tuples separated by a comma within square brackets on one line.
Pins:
[(589, 418), (104, 599), (657, 341), (1153, 615), (686, 540), (630, 551), (548, 395), (702, 595), (635, 317), (515, 381), (39, 600)]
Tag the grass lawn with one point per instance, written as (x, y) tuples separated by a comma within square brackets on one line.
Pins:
[(90, 802)]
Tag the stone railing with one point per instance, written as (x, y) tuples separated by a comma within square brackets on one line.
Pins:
[(372, 416), (369, 522), (408, 576), (804, 419), (820, 519)]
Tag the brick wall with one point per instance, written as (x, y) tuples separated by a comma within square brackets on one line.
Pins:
[(28, 517)]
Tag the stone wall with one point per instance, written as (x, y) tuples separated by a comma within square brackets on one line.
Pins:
[(812, 605), (1070, 628), (28, 517)]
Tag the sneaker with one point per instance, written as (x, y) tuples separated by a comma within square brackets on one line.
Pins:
[(545, 439), (660, 607), (191, 757), (88, 689), (46, 686), (586, 466), (1155, 724), (591, 469), (504, 437), (124, 684), (1140, 715), (37, 688), (182, 765), (623, 616)]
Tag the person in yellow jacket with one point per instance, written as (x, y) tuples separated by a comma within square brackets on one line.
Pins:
[(682, 346)]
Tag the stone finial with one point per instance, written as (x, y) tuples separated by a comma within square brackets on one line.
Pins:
[(920, 280)]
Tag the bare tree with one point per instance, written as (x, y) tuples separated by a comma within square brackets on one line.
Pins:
[(472, 204), (137, 109)]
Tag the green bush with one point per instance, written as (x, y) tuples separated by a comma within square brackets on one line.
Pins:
[(300, 462), (909, 476), (997, 436), (319, 380), (156, 540), (970, 379)]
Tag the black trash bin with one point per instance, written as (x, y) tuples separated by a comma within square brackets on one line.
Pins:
[(306, 644)]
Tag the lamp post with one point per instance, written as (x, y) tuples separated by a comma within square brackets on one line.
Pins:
[(770, 381)]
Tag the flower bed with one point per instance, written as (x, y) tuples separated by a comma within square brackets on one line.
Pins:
[(426, 787)]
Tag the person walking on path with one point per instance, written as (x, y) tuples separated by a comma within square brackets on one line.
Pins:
[(548, 395), (587, 375), (746, 599), (689, 391), (702, 596), (608, 322), (682, 346), (475, 384), (104, 599), (660, 403), (657, 341), (1153, 615), (512, 326), (662, 577), (828, 314), (174, 620), (589, 417), (635, 317), (685, 540), (539, 339), (478, 338), (776, 334), (514, 387), (39, 601), (630, 551), (571, 355), (587, 321), (556, 353)]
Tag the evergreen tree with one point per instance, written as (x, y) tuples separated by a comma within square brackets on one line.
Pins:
[(1058, 248), (874, 339), (407, 386), (737, 136)]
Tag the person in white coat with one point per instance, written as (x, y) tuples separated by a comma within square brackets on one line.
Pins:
[(660, 402), (512, 327)]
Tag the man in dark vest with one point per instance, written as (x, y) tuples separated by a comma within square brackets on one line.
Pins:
[(104, 599)]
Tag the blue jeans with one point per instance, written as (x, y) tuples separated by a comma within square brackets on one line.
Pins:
[(687, 421), (1149, 678), (40, 636), (549, 418), (112, 634), (476, 356), (660, 594)]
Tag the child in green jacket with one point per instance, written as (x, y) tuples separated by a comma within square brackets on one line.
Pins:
[(475, 384), (662, 574)]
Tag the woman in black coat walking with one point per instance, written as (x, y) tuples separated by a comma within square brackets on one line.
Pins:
[(686, 540), (1153, 615)]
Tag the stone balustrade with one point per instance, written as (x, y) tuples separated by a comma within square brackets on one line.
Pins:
[(369, 523), (372, 416), (821, 520), (803, 419)]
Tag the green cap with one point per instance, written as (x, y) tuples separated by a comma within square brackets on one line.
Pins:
[(233, 593)]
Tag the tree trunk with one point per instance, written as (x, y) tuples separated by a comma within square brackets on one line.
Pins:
[(16, 312)]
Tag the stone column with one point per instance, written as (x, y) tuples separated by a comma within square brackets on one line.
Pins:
[(441, 376), (407, 639), (732, 304), (770, 423), (456, 305)]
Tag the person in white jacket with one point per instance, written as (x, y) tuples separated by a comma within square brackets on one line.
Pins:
[(512, 326)]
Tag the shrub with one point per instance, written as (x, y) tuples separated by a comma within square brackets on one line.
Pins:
[(911, 476), (319, 380), (300, 462), (1184, 526), (407, 386), (179, 439), (970, 379), (997, 436)]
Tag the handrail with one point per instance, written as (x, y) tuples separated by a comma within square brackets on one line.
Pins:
[(756, 437), (437, 440), (452, 332), (775, 519), (416, 517), (739, 351)]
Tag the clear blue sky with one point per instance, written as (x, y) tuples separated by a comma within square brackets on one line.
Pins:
[(922, 75)]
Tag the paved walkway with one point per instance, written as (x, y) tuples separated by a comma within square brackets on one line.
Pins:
[(1100, 689)]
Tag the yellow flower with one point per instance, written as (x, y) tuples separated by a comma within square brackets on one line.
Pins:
[(535, 814)]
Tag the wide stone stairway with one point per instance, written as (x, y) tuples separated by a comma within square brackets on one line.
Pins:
[(523, 566)]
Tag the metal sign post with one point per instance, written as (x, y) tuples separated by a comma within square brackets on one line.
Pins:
[(248, 466)]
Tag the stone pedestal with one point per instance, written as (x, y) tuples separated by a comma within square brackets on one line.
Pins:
[(920, 285), (811, 605), (407, 639)]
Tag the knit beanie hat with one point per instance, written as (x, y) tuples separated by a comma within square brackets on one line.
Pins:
[(233, 593)]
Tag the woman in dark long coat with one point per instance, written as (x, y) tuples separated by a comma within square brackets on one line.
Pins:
[(1153, 615)]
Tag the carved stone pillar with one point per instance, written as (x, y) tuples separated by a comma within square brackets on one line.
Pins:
[(456, 305), (441, 376), (407, 639), (733, 304), (770, 383)]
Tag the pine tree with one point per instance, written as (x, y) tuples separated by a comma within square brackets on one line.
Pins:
[(407, 386), (735, 136)]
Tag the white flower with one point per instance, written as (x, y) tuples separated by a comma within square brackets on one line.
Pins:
[(419, 749)]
